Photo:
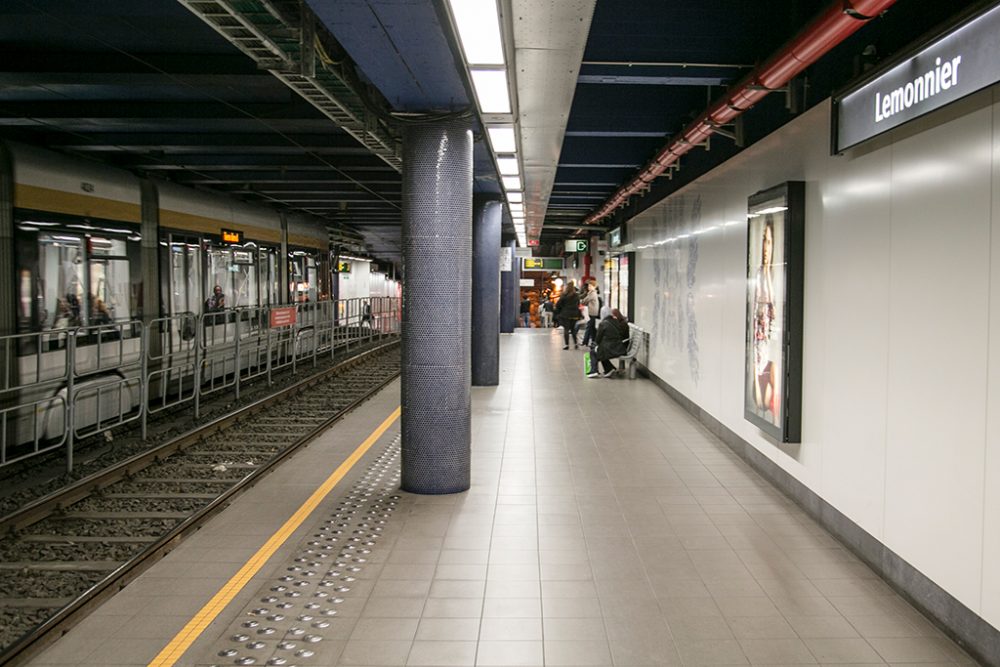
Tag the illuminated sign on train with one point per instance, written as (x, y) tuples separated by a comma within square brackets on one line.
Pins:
[(232, 236)]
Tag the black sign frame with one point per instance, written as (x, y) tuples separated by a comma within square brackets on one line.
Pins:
[(772, 395), (927, 57)]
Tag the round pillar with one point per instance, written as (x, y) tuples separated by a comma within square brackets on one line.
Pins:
[(437, 257), (486, 295)]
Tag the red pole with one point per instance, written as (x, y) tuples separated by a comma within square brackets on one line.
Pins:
[(586, 264)]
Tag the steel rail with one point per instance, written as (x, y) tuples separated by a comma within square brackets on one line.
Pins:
[(39, 638)]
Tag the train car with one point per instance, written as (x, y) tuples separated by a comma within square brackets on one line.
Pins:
[(131, 295)]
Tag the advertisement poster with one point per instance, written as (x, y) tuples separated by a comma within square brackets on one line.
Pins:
[(772, 397)]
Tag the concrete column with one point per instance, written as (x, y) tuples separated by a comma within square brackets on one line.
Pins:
[(486, 294), (284, 294), (510, 293), (437, 258)]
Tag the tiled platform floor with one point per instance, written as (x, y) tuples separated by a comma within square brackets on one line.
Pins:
[(604, 527)]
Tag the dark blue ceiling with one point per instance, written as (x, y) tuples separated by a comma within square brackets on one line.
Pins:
[(147, 86), (400, 46)]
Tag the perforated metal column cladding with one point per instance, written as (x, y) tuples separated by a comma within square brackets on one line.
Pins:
[(510, 299), (486, 294), (437, 302)]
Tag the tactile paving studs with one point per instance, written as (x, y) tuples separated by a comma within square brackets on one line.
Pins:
[(362, 514)]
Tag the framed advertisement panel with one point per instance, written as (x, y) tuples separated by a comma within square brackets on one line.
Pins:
[(772, 396)]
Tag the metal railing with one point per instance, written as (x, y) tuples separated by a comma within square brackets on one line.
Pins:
[(66, 384)]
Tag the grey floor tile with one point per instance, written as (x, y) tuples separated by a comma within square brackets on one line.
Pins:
[(385, 628), (448, 629), (578, 652), (842, 650), (509, 653), (777, 652), (511, 629), (375, 652), (913, 649), (822, 627), (442, 653), (569, 629), (711, 652)]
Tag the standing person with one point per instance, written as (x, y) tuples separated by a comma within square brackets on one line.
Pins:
[(526, 313), (592, 300), (546, 308), (568, 314), (612, 341)]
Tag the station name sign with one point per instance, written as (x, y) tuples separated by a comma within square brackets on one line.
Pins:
[(949, 68)]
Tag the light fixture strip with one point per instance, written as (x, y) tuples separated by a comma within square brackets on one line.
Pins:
[(478, 23)]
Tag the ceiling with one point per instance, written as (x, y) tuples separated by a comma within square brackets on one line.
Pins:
[(220, 94)]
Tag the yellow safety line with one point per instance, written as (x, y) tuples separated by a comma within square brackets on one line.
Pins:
[(183, 639)]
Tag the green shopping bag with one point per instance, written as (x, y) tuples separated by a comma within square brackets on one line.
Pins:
[(586, 363)]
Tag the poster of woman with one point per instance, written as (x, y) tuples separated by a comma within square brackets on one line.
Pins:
[(774, 311)]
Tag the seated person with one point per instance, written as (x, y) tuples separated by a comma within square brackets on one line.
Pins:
[(612, 341)]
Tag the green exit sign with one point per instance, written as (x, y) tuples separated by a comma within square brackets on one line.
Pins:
[(576, 245)]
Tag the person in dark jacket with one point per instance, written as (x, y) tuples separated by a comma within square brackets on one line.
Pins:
[(612, 342), (568, 315)]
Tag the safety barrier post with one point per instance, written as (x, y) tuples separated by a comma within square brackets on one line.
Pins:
[(269, 380), (237, 365), (144, 375), (68, 410), (198, 334), (316, 334), (333, 329), (295, 340)]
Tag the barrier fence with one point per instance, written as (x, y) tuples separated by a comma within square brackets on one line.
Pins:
[(62, 385)]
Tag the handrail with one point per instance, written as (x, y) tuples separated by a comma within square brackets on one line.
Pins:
[(94, 378)]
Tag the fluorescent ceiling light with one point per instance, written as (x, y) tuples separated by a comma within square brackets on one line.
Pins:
[(491, 90), (508, 166), (515, 197), (512, 182), (479, 31), (502, 139)]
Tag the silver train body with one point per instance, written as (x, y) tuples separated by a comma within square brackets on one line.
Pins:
[(127, 296)]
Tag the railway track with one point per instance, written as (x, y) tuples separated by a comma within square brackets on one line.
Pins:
[(67, 552)]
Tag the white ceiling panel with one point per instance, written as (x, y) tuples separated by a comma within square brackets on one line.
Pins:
[(549, 40)]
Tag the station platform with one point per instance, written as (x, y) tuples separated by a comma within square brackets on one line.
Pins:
[(604, 526)]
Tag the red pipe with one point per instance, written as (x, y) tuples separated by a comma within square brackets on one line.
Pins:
[(835, 24)]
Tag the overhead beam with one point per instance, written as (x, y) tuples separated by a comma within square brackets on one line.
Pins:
[(637, 80)]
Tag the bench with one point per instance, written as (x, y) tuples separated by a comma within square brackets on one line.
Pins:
[(628, 361)]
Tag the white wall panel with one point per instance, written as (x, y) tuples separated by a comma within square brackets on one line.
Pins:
[(938, 299), (899, 298), (855, 297), (991, 505)]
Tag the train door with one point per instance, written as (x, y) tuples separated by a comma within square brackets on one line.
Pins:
[(185, 275), (303, 276), (270, 292)]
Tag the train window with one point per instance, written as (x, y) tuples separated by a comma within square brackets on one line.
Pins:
[(110, 288), (218, 280), (244, 272), (270, 287), (61, 267), (302, 276), (185, 275)]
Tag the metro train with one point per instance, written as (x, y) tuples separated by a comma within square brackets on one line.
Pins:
[(128, 290)]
